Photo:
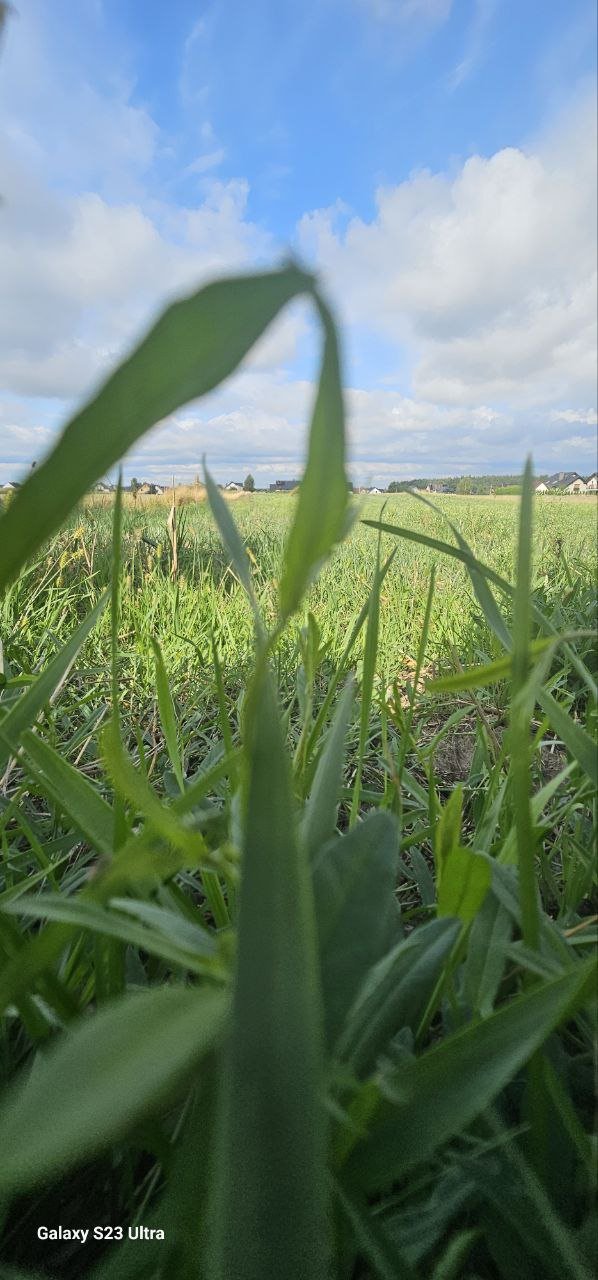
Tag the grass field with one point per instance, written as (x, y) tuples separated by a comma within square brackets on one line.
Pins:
[(297, 905)]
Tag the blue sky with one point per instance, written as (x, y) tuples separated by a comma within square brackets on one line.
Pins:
[(433, 160)]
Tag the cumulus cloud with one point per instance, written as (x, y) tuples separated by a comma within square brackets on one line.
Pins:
[(486, 274)]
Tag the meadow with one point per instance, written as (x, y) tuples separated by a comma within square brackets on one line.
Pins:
[(298, 818)]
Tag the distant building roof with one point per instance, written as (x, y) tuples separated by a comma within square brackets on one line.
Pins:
[(561, 479)]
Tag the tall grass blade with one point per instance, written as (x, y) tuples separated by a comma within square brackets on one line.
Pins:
[(270, 1203)]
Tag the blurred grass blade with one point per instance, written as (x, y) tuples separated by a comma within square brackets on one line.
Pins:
[(320, 813), (341, 669), (102, 1078), (167, 715), (321, 514), (370, 656), (191, 348), (26, 709), (232, 541), (384, 1258), (395, 993), (132, 785), (520, 714), (270, 1202), (71, 791), (357, 915), (441, 1093), (187, 950)]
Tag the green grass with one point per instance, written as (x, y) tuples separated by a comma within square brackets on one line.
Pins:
[(297, 819)]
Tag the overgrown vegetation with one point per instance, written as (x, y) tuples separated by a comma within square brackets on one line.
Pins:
[(296, 909)]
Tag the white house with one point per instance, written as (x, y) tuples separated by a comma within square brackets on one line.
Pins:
[(592, 483), (234, 486), (541, 487), (375, 490), (577, 486)]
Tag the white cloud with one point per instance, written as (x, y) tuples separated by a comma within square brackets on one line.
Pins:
[(81, 275), (588, 416), (487, 276)]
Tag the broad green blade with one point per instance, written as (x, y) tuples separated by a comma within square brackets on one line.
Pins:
[(102, 1078), (321, 515), (448, 830), (357, 914), (195, 344), (466, 878), (26, 709), (382, 1254), (489, 938), (441, 1093), (270, 1201), (395, 993)]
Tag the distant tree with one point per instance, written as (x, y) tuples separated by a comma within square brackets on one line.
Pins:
[(134, 486), (249, 484), (464, 485), (394, 486)]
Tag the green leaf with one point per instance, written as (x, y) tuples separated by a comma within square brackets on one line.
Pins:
[(270, 1195), (382, 1254), (465, 881), (188, 949), (131, 784), (319, 817), (578, 742), (167, 715), (448, 830), (26, 709), (395, 993), (232, 541), (486, 955), (519, 721), (321, 515), (370, 655), (439, 1094), (192, 347), (71, 791), (357, 915), (102, 1078)]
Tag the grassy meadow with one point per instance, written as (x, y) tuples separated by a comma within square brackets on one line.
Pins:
[(297, 900)]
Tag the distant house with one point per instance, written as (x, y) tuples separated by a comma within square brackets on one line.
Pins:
[(541, 487), (567, 482), (234, 486), (10, 486), (436, 487), (592, 483), (284, 486), (148, 487), (374, 489), (102, 487)]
